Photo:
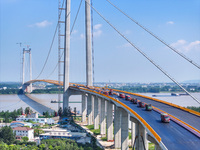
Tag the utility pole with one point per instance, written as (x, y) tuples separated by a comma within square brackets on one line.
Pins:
[(66, 55), (89, 74)]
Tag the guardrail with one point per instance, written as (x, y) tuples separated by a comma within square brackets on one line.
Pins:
[(133, 112), (161, 101)]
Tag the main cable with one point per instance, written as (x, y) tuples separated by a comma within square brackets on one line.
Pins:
[(50, 46), (70, 34), (141, 52), (151, 33)]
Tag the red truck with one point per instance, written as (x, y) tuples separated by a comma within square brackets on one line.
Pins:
[(111, 92), (121, 95), (105, 92), (128, 97), (142, 104)]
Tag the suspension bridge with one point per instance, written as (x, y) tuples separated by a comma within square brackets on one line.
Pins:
[(183, 132)]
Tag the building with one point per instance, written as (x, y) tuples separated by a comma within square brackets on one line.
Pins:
[(24, 131), (60, 133), (15, 124), (33, 115), (39, 120)]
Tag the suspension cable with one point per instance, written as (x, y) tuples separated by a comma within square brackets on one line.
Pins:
[(50, 46), (151, 33), (92, 24), (141, 52), (70, 34)]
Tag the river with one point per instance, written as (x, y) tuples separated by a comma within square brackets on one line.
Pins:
[(12, 102)]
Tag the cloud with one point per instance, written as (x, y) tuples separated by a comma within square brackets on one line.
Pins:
[(170, 22), (42, 24), (127, 32), (185, 46), (97, 30), (97, 26)]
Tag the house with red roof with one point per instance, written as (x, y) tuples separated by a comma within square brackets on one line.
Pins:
[(24, 131)]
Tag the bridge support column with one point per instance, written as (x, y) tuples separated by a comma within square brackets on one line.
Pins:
[(124, 129), (109, 120), (141, 141), (117, 127), (89, 109), (66, 96), (152, 140), (96, 112), (132, 133), (103, 119), (83, 108)]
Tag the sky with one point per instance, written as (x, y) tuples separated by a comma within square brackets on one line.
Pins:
[(33, 23)]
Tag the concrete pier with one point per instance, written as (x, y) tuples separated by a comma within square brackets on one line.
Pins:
[(109, 121), (124, 129), (102, 119), (89, 109), (117, 127), (83, 108), (96, 113)]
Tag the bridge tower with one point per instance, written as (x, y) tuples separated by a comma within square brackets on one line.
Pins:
[(66, 55), (89, 72), (28, 50)]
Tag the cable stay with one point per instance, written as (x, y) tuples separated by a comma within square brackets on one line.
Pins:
[(50, 46), (140, 51), (70, 34), (168, 45)]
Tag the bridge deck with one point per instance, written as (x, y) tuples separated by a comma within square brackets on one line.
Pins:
[(187, 117), (173, 135)]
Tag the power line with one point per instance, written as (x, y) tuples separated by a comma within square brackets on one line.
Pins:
[(151, 33), (141, 52)]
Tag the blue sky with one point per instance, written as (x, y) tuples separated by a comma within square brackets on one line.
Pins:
[(33, 23)]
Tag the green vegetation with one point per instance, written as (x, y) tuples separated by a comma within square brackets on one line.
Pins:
[(51, 144), (7, 135), (151, 146), (48, 91), (95, 131), (157, 89), (10, 116), (9, 91), (194, 108)]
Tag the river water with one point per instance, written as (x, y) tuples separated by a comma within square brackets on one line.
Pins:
[(12, 102)]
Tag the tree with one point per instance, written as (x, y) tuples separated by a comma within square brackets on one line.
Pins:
[(27, 110), (7, 135), (25, 138), (60, 112)]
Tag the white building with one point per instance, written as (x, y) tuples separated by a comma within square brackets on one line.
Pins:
[(39, 120), (15, 124), (24, 131)]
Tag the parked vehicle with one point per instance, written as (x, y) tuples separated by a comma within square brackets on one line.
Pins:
[(165, 117), (121, 95), (105, 92), (134, 100), (128, 97), (141, 104), (111, 92), (148, 107)]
